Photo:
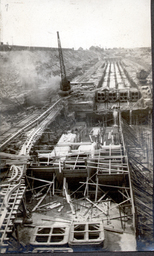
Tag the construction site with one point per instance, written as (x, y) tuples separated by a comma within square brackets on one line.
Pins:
[(76, 150)]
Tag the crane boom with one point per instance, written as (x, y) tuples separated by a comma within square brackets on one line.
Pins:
[(65, 84)]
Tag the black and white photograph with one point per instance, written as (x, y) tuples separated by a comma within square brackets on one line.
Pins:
[(76, 147)]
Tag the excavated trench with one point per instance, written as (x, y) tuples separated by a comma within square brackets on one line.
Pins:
[(64, 123)]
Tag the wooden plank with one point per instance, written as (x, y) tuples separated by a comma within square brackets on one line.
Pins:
[(83, 184), (37, 187), (68, 198), (16, 162), (71, 165), (13, 156), (108, 157), (59, 166), (50, 182), (42, 198), (86, 187), (44, 205), (104, 185), (89, 208), (76, 162), (61, 207), (95, 205), (96, 192), (56, 220), (53, 187), (129, 199), (97, 167), (111, 229), (122, 194), (102, 196), (53, 206), (72, 144), (73, 161)]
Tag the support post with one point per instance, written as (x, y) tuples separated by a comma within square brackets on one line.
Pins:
[(53, 186), (64, 184), (96, 194), (120, 217)]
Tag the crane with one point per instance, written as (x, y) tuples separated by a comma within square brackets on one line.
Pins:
[(65, 84)]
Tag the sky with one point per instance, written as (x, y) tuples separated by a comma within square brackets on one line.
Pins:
[(81, 23)]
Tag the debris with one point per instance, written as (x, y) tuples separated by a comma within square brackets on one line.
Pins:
[(112, 229), (60, 209), (54, 206), (68, 198), (41, 199), (43, 205), (37, 195), (95, 205), (29, 226)]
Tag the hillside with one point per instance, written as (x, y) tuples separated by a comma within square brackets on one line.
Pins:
[(32, 77)]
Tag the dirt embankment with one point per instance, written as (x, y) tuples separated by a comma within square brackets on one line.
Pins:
[(34, 76)]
